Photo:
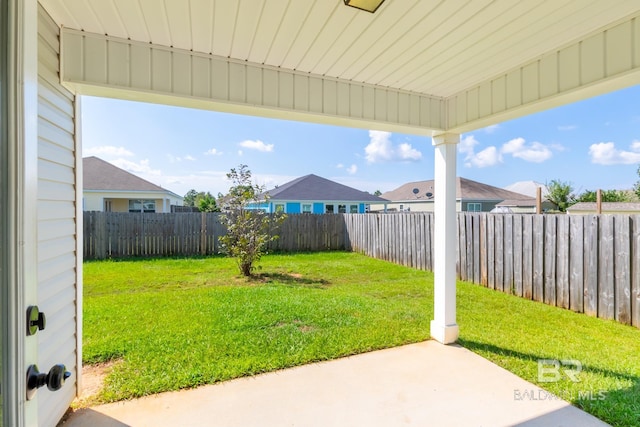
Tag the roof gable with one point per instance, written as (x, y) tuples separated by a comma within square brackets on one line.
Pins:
[(465, 189), (98, 175), (528, 188), (313, 187)]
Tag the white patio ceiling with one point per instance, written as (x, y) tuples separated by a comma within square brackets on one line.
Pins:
[(510, 55)]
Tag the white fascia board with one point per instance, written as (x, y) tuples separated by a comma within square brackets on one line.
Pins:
[(133, 193), (604, 61), (99, 65)]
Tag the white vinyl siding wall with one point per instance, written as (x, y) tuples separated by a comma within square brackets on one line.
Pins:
[(57, 275)]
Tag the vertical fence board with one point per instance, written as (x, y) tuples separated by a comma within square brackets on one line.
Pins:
[(538, 257), (606, 295), (476, 218), (562, 261), (491, 251), (635, 270), (499, 248), (483, 250), (471, 259), (517, 254), (576, 263), (527, 256), (550, 260), (508, 254), (461, 264), (622, 263), (591, 265)]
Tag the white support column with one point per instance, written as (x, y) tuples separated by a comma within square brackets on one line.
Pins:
[(444, 327)]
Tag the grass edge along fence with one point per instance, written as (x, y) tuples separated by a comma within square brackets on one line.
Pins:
[(585, 263)]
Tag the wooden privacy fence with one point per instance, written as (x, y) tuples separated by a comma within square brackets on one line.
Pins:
[(122, 235), (402, 238), (586, 263)]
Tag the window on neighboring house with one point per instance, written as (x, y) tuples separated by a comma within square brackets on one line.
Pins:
[(328, 208), (279, 208), (353, 208), (474, 207), (306, 208), (108, 205), (342, 208), (146, 206), (401, 208)]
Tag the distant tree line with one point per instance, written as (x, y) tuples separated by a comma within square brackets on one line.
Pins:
[(562, 194)]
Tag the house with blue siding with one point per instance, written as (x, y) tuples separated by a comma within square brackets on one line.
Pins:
[(317, 195)]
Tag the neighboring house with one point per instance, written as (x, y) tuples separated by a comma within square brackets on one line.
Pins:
[(526, 205), (314, 194), (108, 188), (471, 196), (585, 208), (528, 188)]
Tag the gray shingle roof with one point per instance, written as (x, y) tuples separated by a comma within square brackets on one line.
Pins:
[(465, 189), (518, 202), (98, 174), (313, 187)]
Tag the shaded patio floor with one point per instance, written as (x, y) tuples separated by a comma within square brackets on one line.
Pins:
[(424, 384)]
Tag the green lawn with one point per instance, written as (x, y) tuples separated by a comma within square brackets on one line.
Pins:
[(177, 323)]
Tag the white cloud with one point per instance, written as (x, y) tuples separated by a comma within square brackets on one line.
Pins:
[(485, 158), (213, 152), (407, 152), (142, 167), (491, 129), (240, 153), (535, 152), (107, 150), (257, 145), (174, 159), (606, 153), (490, 156), (339, 166), (467, 145), (381, 149), (351, 170), (567, 127)]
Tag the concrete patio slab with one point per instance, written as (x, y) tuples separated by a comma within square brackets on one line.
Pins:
[(424, 384)]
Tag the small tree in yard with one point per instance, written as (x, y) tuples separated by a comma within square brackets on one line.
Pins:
[(247, 226)]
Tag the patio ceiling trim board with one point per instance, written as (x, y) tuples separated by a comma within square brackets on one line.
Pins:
[(94, 64), (599, 63), (99, 65)]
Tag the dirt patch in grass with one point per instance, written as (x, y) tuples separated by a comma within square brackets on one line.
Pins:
[(92, 382), (302, 327)]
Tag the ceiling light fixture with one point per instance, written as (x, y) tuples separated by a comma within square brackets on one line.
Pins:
[(368, 5)]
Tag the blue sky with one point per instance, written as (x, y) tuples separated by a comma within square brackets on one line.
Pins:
[(592, 144)]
